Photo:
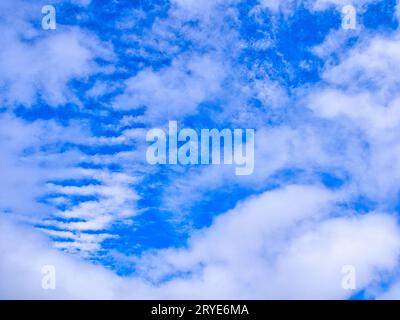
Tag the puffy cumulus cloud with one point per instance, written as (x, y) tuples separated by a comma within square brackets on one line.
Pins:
[(175, 91), (333, 245), (365, 109), (264, 248), (373, 62), (267, 248), (252, 220), (39, 64), (23, 255), (44, 69), (359, 92)]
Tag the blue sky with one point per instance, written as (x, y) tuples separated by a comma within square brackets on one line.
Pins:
[(77, 192)]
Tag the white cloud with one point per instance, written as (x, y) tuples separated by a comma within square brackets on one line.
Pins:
[(36, 63), (269, 248), (175, 91), (360, 93), (265, 248), (32, 166), (26, 165), (285, 5), (24, 253)]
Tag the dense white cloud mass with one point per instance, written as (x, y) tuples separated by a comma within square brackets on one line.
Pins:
[(290, 239), (23, 255), (264, 248)]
